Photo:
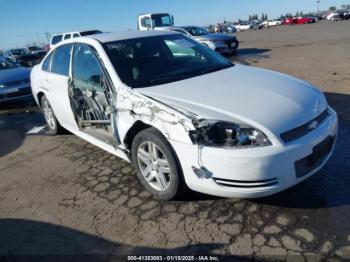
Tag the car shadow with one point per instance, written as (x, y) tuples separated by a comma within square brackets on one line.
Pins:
[(28, 240), (13, 129), (248, 56), (18, 106)]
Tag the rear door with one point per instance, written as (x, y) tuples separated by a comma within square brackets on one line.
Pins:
[(58, 80)]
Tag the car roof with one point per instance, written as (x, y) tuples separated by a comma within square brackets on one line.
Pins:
[(109, 37), (189, 26)]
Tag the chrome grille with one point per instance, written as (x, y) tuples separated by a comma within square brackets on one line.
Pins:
[(304, 129)]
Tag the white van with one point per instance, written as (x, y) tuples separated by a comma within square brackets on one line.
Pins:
[(55, 39)]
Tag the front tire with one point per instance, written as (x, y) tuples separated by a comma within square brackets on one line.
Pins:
[(53, 127), (156, 165)]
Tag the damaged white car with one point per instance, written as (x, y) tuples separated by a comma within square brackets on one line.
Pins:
[(184, 115)]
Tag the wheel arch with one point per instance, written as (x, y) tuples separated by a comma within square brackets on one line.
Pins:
[(136, 128), (39, 95), (140, 126)]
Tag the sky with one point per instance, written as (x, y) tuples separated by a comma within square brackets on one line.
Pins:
[(28, 21)]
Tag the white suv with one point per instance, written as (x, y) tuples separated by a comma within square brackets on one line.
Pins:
[(55, 39)]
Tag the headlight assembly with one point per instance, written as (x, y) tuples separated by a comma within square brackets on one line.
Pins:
[(2, 85), (226, 134)]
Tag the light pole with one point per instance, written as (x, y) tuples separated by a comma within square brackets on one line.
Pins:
[(318, 6)]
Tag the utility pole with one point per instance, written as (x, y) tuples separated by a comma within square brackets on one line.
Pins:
[(318, 6)]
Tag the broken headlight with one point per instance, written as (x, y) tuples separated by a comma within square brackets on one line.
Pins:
[(225, 134)]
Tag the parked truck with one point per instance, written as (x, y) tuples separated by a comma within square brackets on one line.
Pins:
[(157, 21)]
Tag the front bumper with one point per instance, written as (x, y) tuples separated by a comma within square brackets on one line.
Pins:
[(254, 172), (224, 47), (16, 93)]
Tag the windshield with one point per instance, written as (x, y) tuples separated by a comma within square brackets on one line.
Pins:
[(160, 20), (5, 64), (18, 52), (196, 31), (155, 60)]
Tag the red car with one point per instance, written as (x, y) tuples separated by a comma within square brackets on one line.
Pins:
[(299, 20), (288, 21)]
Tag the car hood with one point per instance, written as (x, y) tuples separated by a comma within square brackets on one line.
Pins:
[(268, 100), (14, 74), (215, 37)]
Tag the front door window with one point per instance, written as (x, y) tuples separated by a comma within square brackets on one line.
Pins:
[(89, 92)]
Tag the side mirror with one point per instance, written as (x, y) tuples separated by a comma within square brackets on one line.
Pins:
[(172, 20)]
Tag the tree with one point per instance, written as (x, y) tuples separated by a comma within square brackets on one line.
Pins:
[(263, 17), (250, 18), (332, 8)]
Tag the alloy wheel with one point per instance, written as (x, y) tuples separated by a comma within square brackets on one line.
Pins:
[(49, 115), (154, 166)]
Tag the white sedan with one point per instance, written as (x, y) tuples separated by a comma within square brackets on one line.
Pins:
[(184, 115), (243, 27), (271, 23)]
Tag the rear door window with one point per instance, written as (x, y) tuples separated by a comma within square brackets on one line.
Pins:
[(61, 60), (56, 39), (47, 63)]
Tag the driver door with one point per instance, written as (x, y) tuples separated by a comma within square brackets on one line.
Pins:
[(90, 95)]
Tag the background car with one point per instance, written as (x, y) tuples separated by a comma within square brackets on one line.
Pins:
[(36, 50), (14, 82), (256, 25), (288, 21), (55, 39), (304, 20), (243, 26), (301, 20), (271, 23), (219, 42), (22, 56)]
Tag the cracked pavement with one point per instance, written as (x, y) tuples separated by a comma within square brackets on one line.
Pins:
[(61, 195)]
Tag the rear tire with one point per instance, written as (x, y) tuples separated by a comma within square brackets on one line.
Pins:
[(53, 127), (156, 165)]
